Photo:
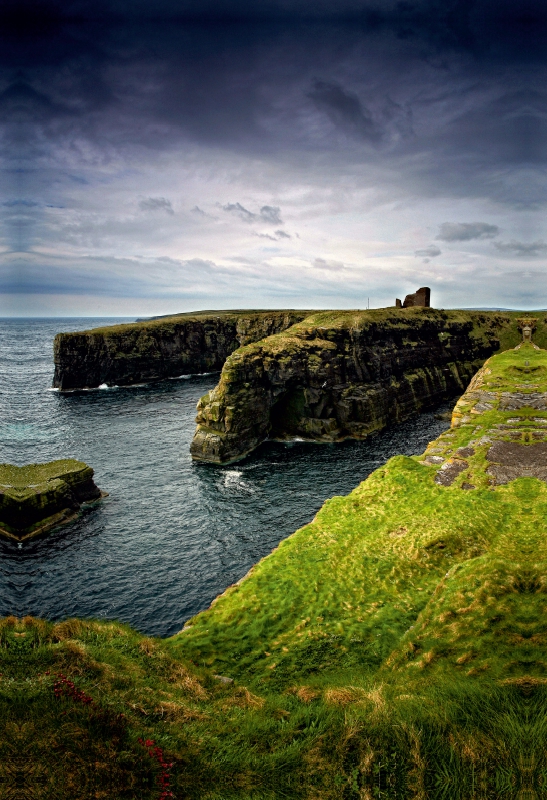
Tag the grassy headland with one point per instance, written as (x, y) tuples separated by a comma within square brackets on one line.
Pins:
[(393, 648)]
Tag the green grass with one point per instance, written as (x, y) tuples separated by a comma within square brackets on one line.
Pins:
[(395, 647), (67, 469), (168, 322)]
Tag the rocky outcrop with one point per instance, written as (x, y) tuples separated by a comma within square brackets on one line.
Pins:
[(344, 374), (160, 348), (36, 497)]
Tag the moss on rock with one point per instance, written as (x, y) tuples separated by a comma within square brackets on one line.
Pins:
[(35, 497), (338, 374)]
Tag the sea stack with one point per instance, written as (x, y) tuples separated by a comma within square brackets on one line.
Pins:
[(35, 497)]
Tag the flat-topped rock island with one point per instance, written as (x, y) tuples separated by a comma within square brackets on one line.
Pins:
[(35, 497)]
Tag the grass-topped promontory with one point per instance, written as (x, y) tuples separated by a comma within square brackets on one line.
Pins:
[(36, 497), (395, 647)]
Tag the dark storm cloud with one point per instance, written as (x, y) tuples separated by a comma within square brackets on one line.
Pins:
[(312, 105), (465, 231), (344, 109), (129, 83), (156, 204), (522, 248)]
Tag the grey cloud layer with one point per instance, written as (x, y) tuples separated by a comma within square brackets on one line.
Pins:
[(428, 252), (465, 231), (522, 248), (156, 204), (426, 103), (268, 214)]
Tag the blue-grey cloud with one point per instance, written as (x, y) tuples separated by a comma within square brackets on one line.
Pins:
[(269, 214), (465, 231), (274, 237), (156, 204), (240, 211), (538, 248), (428, 252)]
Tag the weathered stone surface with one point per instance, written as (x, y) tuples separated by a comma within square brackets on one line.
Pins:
[(512, 401), (331, 377), (511, 460), (420, 299), (160, 348), (35, 497), (450, 471)]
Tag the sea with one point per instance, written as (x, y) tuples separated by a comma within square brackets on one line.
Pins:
[(171, 534)]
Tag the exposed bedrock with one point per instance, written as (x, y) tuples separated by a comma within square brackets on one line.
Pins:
[(344, 374), (160, 348), (35, 497)]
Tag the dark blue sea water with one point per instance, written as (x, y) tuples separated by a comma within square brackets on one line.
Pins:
[(171, 534)]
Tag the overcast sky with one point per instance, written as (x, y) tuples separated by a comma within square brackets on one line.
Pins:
[(279, 153)]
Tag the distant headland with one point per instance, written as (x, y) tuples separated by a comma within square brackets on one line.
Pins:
[(317, 375)]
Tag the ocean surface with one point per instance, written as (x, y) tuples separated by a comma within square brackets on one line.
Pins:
[(171, 535)]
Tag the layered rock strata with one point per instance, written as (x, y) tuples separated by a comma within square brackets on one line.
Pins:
[(160, 348), (343, 374), (35, 497)]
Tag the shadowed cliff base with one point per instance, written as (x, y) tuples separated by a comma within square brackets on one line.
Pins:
[(395, 647)]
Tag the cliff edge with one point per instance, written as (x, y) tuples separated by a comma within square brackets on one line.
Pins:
[(121, 355), (344, 374)]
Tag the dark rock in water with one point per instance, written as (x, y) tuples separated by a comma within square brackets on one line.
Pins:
[(36, 497)]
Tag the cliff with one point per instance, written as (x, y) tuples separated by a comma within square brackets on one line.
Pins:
[(340, 374), (160, 348), (35, 497), (395, 647), (416, 603)]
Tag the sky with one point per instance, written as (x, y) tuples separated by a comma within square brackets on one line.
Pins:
[(209, 154)]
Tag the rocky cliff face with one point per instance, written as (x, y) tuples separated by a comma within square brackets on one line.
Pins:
[(342, 374), (36, 497), (162, 348)]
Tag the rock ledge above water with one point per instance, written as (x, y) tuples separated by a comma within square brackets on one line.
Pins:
[(35, 497)]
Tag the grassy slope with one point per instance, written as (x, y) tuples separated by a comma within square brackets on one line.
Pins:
[(394, 647), (509, 333), (167, 323)]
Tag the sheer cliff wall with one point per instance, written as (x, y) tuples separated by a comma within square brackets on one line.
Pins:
[(160, 348), (346, 374)]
